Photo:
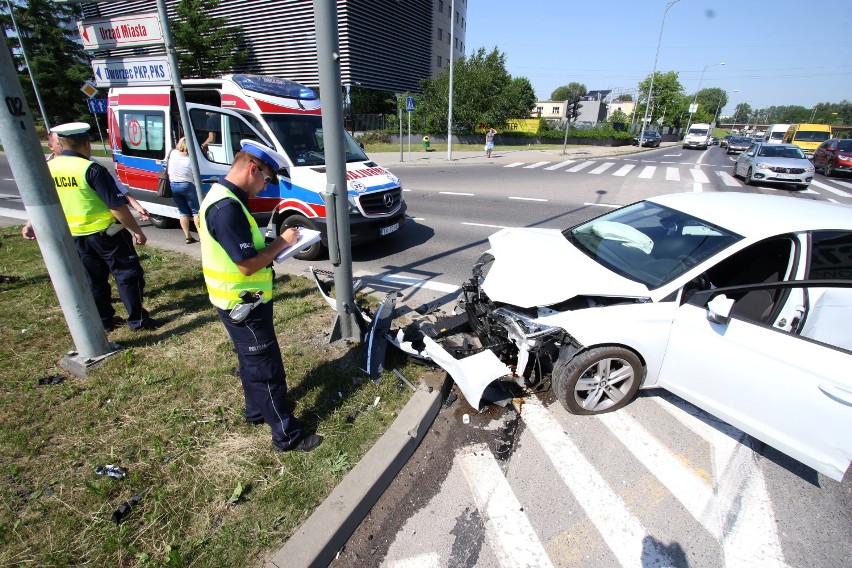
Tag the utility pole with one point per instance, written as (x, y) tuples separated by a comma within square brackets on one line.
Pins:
[(35, 184), (336, 195)]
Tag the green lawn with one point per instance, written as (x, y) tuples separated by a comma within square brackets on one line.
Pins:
[(168, 409)]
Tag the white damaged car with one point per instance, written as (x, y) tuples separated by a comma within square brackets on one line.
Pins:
[(739, 303)]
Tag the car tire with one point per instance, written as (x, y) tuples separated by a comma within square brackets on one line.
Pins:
[(163, 222), (748, 178), (311, 252), (828, 170), (578, 379)]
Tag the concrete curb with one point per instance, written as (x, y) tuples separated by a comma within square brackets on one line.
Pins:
[(319, 538)]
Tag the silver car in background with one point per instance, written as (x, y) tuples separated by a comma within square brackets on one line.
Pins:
[(774, 163)]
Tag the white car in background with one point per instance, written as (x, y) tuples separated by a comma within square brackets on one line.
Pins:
[(774, 163), (739, 303)]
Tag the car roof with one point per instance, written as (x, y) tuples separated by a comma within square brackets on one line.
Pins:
[(757, 216)]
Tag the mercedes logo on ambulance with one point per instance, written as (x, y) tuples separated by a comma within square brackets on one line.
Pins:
[(388, 200)]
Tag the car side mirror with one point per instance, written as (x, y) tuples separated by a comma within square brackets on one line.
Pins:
[(719, 309)]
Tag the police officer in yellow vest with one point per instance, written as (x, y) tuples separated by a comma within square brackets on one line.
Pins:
[(97, 213), (235, 258)]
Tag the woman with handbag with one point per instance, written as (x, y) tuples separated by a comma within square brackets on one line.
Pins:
[(183, 188)]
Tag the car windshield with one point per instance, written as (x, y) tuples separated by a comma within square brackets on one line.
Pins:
[(810, 136), (302, 139), (649, 243), (845, 145), (698, 132), (780, 152)]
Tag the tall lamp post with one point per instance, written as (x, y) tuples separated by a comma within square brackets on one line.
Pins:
[(718, 108), (694, 106), (654, 71)]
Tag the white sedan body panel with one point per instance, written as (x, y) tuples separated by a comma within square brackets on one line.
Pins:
[(644, 328), (790, 392)]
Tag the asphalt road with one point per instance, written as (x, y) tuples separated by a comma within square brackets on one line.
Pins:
[(569, 490)]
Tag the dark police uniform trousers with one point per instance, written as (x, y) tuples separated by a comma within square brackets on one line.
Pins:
[(101, 255), (262, 373)]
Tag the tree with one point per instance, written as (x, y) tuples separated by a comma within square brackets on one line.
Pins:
[(624, 98), (57, 60), (483, 94), (569, 92), (709, 101), (667, 100), (742, 113), (618, 115), (205, 45)]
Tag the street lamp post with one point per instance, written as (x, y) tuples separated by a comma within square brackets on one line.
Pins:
[(654, 71), (694, 106)]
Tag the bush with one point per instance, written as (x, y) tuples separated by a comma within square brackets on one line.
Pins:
[(373, 137), (597, 133)]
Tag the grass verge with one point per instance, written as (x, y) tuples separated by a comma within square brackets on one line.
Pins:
[(168, 410)]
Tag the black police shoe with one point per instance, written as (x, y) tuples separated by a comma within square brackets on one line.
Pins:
[(150, 324), (306, 444), (113, 323)]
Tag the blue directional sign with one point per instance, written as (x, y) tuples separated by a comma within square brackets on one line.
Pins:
[(97, 106), (409, 104)]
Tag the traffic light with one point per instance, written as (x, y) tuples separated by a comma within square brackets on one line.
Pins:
[(575, 108), (569, 110)]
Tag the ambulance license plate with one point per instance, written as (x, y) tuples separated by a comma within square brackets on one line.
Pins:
[(388, 230)]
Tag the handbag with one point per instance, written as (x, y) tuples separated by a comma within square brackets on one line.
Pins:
[(164, 186)]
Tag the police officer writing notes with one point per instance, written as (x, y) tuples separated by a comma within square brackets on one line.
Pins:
[(237, 266), (97, 214)]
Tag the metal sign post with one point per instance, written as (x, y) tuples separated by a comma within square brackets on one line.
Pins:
[(409, 108)]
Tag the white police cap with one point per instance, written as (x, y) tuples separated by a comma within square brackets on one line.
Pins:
[(71, 129), (265, 154)]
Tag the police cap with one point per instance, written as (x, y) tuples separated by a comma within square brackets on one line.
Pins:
[(72, 130), (265, 154)]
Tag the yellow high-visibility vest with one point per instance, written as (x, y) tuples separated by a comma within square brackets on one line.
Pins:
[(85, 211)]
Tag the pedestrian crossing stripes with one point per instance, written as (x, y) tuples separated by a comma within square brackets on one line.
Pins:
[(685, 173)]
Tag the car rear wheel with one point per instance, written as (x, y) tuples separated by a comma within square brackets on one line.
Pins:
[(598, 380), (312, 251), (828, 170)]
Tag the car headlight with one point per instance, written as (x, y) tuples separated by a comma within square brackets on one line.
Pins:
[(762, 166), (809, 169), (523, 325)]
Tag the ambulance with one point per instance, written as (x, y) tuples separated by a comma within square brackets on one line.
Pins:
[(144, 125)]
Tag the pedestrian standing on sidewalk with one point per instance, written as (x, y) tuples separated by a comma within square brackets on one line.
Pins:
[(489, 142), (236, 260), (183, 188)]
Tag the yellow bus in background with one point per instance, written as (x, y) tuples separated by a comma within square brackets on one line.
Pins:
[(808, 137)]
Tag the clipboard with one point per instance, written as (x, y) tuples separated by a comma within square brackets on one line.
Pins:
[(307, 237)]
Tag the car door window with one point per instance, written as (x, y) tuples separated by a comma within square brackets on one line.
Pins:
[(765, 262), (223, 132)]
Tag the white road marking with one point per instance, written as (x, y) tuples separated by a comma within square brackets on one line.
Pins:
[(514, 165), (728, 179), (740, 514), (624, 534), (13, 213), (673, 155), (527, 198), (843, 183), (647, 172), (622, 171), (426, 560), (698, 176), (672, 174), (697, 187), (11, 196), (510, 534), (580, 166), (484, 225), (418, 283), (835, 191), (535, 165), (602, 168), (560, 165), (454, 193)]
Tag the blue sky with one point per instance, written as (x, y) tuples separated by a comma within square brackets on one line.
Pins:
[(776, 52)]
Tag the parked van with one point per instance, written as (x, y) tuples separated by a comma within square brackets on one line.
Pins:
[(775, 133), (144, 124), (697, 136), (808, 137)]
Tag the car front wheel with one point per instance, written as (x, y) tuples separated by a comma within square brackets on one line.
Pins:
[(748, 179), (162, 222), (598, 380)]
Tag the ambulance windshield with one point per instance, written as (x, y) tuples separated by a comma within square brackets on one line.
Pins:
[(302, 139)]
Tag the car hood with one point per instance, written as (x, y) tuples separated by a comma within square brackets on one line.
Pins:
[(539, 267)]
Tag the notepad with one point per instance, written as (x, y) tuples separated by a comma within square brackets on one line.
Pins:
[(307, 237)]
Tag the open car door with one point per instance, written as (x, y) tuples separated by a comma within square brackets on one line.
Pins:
[(790, 389)]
